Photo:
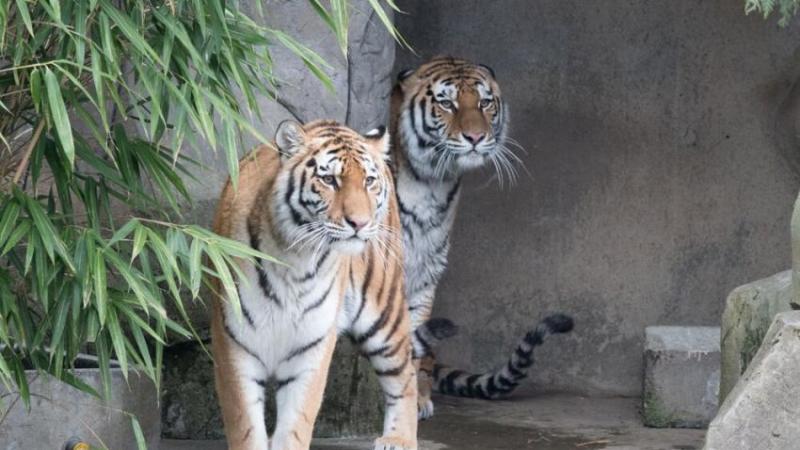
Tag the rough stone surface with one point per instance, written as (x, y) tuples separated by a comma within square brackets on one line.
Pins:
[(59, 412), (748, 314), (362, 84), (761, 411), (795, 300), (656, 184), (681, 376), (353, 403)]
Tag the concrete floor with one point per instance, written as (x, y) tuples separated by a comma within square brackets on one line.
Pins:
[(541, 422)]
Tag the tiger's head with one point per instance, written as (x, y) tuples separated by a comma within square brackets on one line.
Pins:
[(333, 187), (451, 118)]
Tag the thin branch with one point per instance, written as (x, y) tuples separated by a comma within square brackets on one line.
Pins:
[(27, 156)]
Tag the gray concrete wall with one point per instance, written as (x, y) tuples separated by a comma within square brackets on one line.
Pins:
[(657, 183)]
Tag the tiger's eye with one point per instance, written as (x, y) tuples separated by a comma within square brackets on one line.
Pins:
[(328, 179), (485, 102), (446, 104), (369, 181)]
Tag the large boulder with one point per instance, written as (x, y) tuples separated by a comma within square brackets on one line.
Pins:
[(748, 314), (762, 411)]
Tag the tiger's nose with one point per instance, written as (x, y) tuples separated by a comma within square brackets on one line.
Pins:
[(473, 137), (357, 223)]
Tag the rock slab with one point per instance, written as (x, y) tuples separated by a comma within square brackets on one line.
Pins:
[(681, 379), (60, 412), (762, 410), (749, 311), (352, 406)]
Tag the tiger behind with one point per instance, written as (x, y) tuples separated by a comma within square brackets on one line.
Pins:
[(448, 117), (324, 205)]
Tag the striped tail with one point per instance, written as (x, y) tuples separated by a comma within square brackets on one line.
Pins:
[(492, 385), (428, 335)]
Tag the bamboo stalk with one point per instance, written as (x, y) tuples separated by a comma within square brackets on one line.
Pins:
[(28, 151)]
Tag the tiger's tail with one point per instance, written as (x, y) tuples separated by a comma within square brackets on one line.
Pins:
[(493, 385), (428, 335)]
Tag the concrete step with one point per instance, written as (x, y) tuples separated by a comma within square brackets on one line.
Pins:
[(681, 379)]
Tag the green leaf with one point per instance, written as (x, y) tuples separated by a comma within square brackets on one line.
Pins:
[(22, 7), (100, 286), (137, 431), (58, 115)]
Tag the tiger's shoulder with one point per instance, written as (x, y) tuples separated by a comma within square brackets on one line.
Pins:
[(257, 172)]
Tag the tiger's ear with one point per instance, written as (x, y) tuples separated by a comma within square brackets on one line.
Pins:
[(405, 73), (378, 139), (488, 69), (289, 138)]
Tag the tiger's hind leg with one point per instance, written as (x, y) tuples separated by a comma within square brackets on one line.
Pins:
[(420, 306), (301, 383), (424, 368), (238, 377)]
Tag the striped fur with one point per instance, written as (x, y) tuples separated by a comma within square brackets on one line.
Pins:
[(492, 385), (448, 117), (324, 205)]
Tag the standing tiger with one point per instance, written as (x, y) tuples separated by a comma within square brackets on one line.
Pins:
[(448, 117), (324, 205)]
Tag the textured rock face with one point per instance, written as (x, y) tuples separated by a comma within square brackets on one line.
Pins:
[(795, 300), (353, 404), (761, 411), (681, 380), (60, 412), (748, 314)]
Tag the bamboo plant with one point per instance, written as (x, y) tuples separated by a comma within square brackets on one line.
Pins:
[(98, 98)]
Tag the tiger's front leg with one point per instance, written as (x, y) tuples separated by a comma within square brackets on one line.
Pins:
[(236, 377), (301, 382), (385, 340)]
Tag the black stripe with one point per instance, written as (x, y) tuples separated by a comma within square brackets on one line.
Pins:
[(514, 371), (394, 371), (263, 279), (377, 325), (405, 212), (364, 287), (280, 383), (426, 347), (299, 351), (450, 196), (242, 346), (321, 300)]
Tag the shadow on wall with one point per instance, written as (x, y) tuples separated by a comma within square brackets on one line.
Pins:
[(656, 182)]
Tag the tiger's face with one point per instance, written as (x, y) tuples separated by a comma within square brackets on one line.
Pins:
[(334, 185), (452, 118)]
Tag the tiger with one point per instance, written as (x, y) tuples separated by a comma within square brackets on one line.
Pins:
[(448, 117), (323, 204)]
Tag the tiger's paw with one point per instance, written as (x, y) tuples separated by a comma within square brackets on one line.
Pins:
[(424, 408), (394, 443)]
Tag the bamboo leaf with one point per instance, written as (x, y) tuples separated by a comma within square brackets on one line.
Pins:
[(22, 7), (58, 115), (137, 431)]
